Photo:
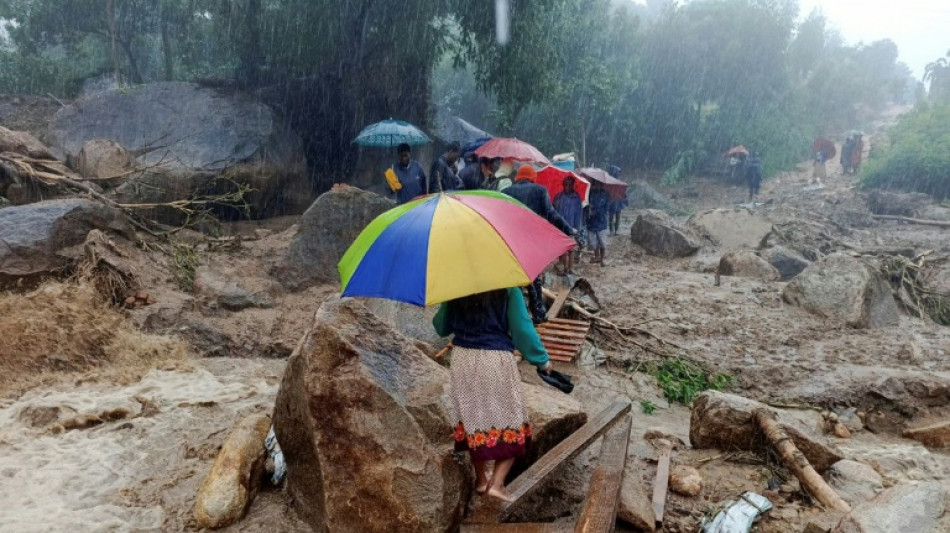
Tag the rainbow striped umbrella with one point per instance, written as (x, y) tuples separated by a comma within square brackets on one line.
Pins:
[(440, 247)]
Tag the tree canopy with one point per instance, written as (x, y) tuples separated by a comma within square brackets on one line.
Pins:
[(662, 85)]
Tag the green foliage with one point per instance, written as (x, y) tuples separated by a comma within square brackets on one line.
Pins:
[(682, 380), (686, 163), (184, 265), (647, 407), (917, 157)]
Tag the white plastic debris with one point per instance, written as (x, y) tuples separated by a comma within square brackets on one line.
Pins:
[(273, 448), (739, 516)]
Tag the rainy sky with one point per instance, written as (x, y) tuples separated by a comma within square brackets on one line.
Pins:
[(919, 27)]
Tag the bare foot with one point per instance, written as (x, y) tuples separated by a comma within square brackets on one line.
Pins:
[(482, 489), (500, 494)]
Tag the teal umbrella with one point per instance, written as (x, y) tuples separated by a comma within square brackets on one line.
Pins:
[(391, 133)]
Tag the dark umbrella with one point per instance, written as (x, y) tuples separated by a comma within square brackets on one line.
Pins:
[(616, 188)]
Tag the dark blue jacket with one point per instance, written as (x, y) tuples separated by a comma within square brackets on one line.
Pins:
[(536, 198), (413, 180), (599, 209), (443, 177)]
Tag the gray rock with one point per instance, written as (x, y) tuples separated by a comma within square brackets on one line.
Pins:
[(228, 294), (746, 264), (855, 482), (655, 232), (326, 231), (105, 159), (194, 129), (733, 229), (918, 508), (640, 195), (33, 237), (845, 288), (724, 421), (788, 262), (934, 212), (21, 142), (897, 203), (635, 508), (411, 320), (364, 420)]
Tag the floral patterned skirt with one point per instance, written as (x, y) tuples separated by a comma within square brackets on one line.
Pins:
[(486, 392)]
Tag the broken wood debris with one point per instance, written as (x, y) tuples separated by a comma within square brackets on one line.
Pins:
[(599, 514)]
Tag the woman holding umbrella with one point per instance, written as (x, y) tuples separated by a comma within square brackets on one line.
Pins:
[(486, 386)]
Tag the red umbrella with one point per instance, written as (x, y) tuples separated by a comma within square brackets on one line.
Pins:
[(616, 188), (736, 150), (511, 148), (824, 145), (552, 178)]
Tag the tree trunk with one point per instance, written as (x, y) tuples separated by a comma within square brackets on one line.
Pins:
[(798, 464), (251, 54), (135, 74), (110, 8), (167, 47)]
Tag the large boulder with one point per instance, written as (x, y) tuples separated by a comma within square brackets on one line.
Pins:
[(326, 230), (746, 264), (845, 288), (855, 482), (892, 203), (789, 263), (553, 415), (35, 237), (364, 420), (102, 159), (921, 508), (640, 195), (194, 129), (733, 229), (655, 232), (23, 143), (230, 487), (725, 421)]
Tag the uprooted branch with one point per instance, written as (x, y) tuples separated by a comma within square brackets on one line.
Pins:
[(909, 220), (908, 276)]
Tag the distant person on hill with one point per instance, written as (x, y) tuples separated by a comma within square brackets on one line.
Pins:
[(597, 220), (410, 178), (569, 205), (442, 175), (856, 153), (536, 198), (754, 175), (616, 206), (846, 150)]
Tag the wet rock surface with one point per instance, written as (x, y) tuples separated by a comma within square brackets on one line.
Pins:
[(855, 482), (642, 195), (229, 489), (362, 418), (844, 288), (733, 229), (326, 231), (724, 421), (655, 232), (35, 236), (105, 159), (921, 508), (789, 263), (747, 264), (881, 202)]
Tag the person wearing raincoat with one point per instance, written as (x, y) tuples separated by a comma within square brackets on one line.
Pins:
[(492, 422), (754, 175), (569, 205), (411, 179), (856, 153)]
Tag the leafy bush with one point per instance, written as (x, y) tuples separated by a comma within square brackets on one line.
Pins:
[(682, 380), (918, 155)]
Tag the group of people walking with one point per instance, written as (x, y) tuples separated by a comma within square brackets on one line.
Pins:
[(491, 419)]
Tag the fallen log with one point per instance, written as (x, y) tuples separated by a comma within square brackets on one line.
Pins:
[(797, 463), (909, 220)]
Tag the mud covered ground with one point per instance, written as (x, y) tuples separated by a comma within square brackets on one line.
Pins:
[(140, 467)]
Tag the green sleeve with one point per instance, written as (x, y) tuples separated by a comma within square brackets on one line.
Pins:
[(441, 321), (522, 330)]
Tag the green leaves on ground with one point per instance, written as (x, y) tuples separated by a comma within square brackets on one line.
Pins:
[(682, 380)]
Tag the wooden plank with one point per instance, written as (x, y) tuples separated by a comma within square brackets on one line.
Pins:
[(559, 325), (569, 321), (662, 482), (517, 528), (562, 353), (561, 358), (599, 514), (492, 510), (580, 335), (558, 302), (548, 343)]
